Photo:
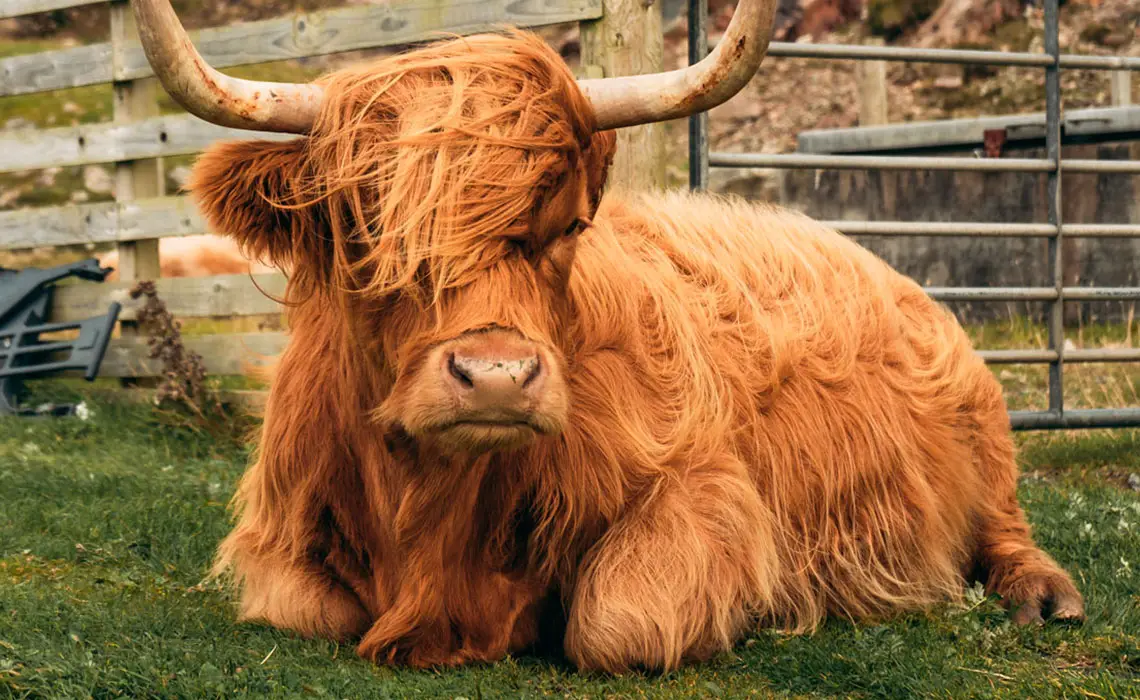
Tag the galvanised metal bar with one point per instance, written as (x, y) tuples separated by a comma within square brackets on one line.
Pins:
[(1023, 356), (1100, 230), (1100, 293), (1030, 356), (991, 293), (699, 122), (942, 228), (980, 229), (1053, 193), (911, 55), (719, 159), (1103, 355), (1047, 294), (1113, 63), (1077, 165), (1075, 420)]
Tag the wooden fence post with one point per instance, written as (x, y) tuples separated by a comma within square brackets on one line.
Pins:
[(134, 100), (874, 104), (871, 81), (1121, 82), (629, 40)]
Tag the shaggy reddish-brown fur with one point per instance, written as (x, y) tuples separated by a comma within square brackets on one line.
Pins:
[(751, 420)]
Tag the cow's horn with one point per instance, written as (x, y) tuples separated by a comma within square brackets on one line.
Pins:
[(218, 98), (292, 107), (655, 97)]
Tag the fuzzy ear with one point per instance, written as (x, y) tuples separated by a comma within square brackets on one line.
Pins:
[(248, 190), (599, 156)]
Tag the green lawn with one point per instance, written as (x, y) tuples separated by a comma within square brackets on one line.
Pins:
[(107, 527)]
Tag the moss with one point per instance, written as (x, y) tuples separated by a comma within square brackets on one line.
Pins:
[(1095, 33), (1016, 35), (85, 105), (892, 18)]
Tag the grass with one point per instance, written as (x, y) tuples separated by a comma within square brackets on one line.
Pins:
[(107, 527), (1087, 385)]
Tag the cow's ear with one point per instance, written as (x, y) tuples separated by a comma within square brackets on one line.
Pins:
[(251, 192), (599, 157)]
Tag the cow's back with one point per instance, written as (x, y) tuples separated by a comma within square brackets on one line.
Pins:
[(855, 399)]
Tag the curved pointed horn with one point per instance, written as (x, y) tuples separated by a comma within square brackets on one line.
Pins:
[(210, 95), (656, 97)]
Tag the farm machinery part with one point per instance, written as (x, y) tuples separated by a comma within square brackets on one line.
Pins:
[(25, 304)]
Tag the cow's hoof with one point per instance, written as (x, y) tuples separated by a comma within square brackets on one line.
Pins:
[(1047, 596)]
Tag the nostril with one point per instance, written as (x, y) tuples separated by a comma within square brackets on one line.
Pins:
[(456, 371), (532, 369)]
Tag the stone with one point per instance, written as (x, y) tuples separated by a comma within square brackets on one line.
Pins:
[(948, 82), (47, 177), (98, 180)]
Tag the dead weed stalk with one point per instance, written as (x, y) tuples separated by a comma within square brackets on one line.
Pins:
[(184, 382)]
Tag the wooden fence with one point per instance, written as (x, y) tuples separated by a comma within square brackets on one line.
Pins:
[(137, 139)]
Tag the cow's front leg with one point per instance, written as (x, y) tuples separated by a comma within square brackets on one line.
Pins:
[(298, 596), (476, 617), (679, 578)]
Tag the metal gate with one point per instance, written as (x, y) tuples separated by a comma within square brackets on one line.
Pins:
[(1052, 61)]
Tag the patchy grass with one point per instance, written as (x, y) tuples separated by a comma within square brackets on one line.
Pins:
[(107, 527), (83, 105), (1087, 385)]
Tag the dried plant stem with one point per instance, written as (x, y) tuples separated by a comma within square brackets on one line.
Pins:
[(184, 380)]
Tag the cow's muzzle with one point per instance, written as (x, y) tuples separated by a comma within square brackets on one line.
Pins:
[(485, 390)]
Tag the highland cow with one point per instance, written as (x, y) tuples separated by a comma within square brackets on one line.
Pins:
[(517, 411)]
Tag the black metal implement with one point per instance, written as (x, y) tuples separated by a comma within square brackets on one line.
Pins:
[(25, 303)]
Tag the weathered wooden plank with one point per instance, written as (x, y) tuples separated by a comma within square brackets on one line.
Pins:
[(298, 36), (105, 222), (162, 217), (222, 354), (16, 8), (366, 26), (185, 297), (107, 142), (54, 70)]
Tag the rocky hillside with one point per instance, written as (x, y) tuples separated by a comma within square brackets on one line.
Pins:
[(792, 95)]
